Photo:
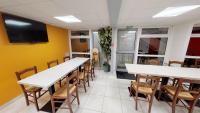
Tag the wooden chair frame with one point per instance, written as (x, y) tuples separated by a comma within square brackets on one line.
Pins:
[(195, 94), (28, 93), (154, 84), (86, 74), (55, 99), (66, 58)]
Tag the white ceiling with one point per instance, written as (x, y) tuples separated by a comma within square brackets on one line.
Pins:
[(140, 12), (99, 13), (93, 13)]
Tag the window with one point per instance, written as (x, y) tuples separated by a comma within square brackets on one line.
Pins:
[(80, 45), (154, 30), (152, 46), (80, 33), (194, 47), (193, 51)]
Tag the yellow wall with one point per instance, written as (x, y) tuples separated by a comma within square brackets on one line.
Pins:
[(15, 57)]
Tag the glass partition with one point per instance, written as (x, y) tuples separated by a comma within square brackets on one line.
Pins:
[(152, 46)]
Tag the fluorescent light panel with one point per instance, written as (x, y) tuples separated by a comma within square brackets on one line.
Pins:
[(68, 19), (175, 11), (16, 22)]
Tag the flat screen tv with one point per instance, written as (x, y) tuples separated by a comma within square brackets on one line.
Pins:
[(22, 30)]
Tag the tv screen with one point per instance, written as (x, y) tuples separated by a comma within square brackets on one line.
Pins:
[(22, 30)]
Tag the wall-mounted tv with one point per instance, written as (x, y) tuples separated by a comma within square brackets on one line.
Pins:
[(22, 30)]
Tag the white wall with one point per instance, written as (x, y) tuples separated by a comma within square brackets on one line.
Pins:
[(114, 49), (179, 40)]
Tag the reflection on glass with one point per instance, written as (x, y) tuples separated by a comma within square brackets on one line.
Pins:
[(194, 47), (80, 45), (196, 30), (153, 46), (126, 40), (154, 30), (122, 59), (144, 60)]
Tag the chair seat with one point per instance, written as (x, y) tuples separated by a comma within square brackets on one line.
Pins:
[(62, 92), (81, 76), (142, 88), (182, 94), (33, 89)]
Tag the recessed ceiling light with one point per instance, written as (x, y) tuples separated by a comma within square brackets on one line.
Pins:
[(131, 31), (175, 11), (68, 19)]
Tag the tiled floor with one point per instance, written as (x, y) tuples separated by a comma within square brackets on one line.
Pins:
[(105, 95)]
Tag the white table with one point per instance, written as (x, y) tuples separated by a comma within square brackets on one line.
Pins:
[(48, 77), (164, 71)]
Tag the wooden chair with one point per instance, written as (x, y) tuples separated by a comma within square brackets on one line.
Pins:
[(148, 89), (66, 92), (176, 63), (66, 58), (182, 93), (84, 75), (153, 62), (30, 91), (90, 69), (51, 64)]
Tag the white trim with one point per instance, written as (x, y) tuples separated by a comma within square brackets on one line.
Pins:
[(75, 37), (11, 101), (145, 55), (192, 57), (154, 35), (195, 36)]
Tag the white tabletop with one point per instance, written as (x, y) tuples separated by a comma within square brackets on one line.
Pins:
[(164, 71), (48, 77)]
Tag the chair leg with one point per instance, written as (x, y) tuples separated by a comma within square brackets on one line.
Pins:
[(77, 96), (84, 85), (91, 75), (69, 105), (150, 103), (173, 106), (53, 106), (136, 100), (35, 101), (93, 72), (88, 80), (26, 98)]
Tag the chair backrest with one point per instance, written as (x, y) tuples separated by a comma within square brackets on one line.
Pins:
[(52, 63), (72, 81), (66, 58), (176, 63), (155, 81), (19, 74), (153, 62)]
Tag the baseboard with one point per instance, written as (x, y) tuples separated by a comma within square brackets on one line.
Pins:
[(10, 102)]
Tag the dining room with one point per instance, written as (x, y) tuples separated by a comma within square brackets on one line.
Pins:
[(99, 56)]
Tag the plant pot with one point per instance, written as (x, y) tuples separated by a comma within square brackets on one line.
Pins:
[(106, 67)]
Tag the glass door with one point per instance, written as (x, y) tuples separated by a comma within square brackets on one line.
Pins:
[(125, 47)]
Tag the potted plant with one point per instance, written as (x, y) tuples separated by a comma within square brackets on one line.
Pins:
[(105, 35)]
